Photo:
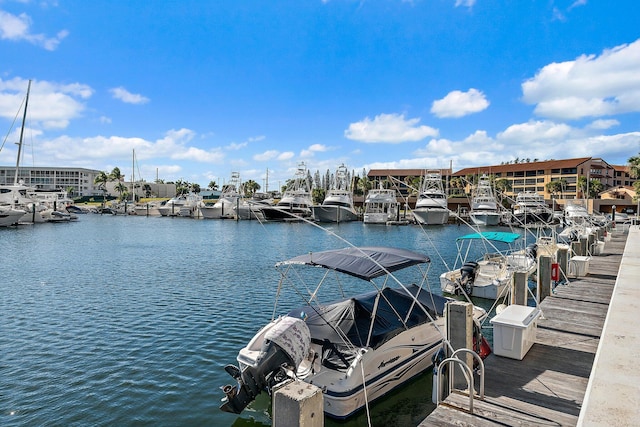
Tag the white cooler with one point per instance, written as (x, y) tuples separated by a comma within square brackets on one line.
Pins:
[(514, 331), (578, 266)]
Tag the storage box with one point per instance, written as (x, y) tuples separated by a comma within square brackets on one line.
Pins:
[(514, 331), (598, 247), (578, 266)]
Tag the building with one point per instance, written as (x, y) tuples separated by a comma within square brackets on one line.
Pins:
[(76, 181)]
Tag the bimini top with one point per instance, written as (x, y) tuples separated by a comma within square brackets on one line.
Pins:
[(365, 262), (496, 236)]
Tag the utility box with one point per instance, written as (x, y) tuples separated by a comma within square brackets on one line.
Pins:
[(514, 331), (578, 266), (598, 247)]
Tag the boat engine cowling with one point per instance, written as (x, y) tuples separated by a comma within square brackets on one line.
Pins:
[(285, 345), (468, 276)]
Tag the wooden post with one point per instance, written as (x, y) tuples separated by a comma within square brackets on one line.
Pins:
[(298, 404), (584, 245), (519, 294), (563, 260), (544, 278), (591, 244), (460, 334), (575, 249)]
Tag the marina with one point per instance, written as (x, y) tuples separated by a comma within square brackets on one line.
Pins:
[(115, 319)]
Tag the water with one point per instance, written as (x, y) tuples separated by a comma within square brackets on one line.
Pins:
[(115, 320)]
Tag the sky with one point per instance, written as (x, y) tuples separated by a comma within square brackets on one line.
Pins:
[(199, 89)]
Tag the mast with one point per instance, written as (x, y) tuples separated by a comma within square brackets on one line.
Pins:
[(24, 119), (133, 173)]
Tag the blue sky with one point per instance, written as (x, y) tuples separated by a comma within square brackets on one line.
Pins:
[(203, 88)]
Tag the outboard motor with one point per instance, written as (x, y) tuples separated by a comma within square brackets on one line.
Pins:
[(468, 276), (532, 250), (284, 347)]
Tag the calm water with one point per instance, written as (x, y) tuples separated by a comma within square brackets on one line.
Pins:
[(115, 320)]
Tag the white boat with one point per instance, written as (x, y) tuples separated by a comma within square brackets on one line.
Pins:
[(530, 208), (484, 207), (489, 275), (338, 203), (295, 202), (172, 206), (354, 349), (192, 207), (251, 208), (380, 206), (148, 208), (10, 216), (431, 206), (224, 207)]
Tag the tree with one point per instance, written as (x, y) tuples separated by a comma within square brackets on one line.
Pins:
[(121, 189), (250, 187), (502, 185), (115, 175), (318, 195), (101, 181), (213, 186), (554, 187), (634, 166), (595, 188), (195, 188)]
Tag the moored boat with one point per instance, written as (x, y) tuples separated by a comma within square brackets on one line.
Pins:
[(338, 203), (381, 206), (295, 203), (431, 206), (484, 207)]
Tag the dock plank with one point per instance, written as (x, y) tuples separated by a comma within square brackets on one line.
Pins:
[(547, 387)]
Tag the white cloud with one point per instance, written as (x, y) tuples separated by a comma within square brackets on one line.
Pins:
[(603, 124), (51, 105), (266, 156), (390, 128), (125, 96), (526, 133), (590, 86), (458, 104), (465, 3), (17, 27), (287, 155)]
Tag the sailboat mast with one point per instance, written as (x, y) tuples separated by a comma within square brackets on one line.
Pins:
[(24, 119), (133, 173)]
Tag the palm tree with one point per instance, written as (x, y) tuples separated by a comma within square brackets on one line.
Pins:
[(121, 189), (213, 186), (595, 188), (101, 181), (634, 166), (582, 185), (250, 187), (554, 187)]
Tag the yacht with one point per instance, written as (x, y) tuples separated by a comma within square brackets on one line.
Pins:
[(228, 201), (338, 203), (530, 208), (484, 207), (295, 202), (380, 206), (431, 206)]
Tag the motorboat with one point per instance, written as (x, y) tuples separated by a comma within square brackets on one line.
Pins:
[(295, 202), (148, 208), (338, 203), (484, 207), (380, 206), (484, 271), (531, 208), (431, 206), (10, 216), (224, 207), (355, 349), (251, 208)]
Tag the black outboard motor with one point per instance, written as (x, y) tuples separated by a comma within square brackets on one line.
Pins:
[(468, 276), (532, 250), (284, 347)]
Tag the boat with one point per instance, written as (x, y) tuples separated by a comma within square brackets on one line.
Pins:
[(355, 349), (251, 208), (172, 206), (338, 203), (530, 208), (489, 275), (229, 199), (484, 207), (148, 208), (295, 203), (431, 206), (381, 206), (10, 216)]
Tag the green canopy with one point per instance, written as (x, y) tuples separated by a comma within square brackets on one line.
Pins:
[(496, 236)]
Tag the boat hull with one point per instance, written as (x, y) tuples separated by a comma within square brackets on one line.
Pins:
[(485, 218), (333, 214), (431, 216)]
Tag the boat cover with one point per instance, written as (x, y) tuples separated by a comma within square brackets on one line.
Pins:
[(496, 236), (364, 262), (351, 319)]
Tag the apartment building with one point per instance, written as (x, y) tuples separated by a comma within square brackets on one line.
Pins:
[(78, 180)]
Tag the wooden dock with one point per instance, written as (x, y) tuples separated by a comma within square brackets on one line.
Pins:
[(548, 386)]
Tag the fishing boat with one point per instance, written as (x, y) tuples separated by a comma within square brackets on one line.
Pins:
[(338, 204), (530, 208), (380, 206), (251, 208), (355, 349), (484, 207), (229, 199), (431, 206), (295, 202), (485, 271)]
